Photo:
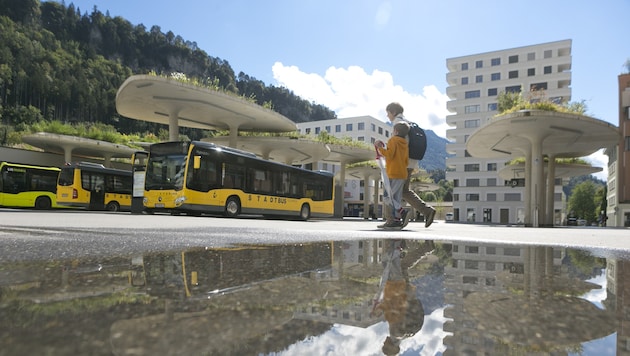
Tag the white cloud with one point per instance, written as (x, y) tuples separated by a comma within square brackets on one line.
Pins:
[(353, 92), (599, 159)]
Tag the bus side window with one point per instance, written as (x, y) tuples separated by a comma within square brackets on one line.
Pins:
[(228, 182)]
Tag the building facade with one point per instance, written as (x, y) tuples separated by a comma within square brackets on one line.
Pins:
[(474, 83), (618, 185)]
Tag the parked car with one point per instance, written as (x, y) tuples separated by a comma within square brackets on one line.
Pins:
[(448, 217), (572, 221)]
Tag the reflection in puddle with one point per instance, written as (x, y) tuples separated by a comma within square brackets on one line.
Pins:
[(318, 298)]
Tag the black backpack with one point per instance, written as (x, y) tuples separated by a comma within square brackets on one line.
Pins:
[(417, 141)]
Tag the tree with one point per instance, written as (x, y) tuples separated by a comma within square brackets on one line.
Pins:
[(582, 201)]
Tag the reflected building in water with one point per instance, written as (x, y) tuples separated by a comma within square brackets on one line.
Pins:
[(618, 300), (505, 297), (259, 299)]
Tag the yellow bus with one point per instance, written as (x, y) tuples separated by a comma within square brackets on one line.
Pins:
[(201, 177), (94, 187), (26, 186)]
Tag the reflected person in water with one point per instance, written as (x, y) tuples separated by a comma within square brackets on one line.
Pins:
[(396, 299)]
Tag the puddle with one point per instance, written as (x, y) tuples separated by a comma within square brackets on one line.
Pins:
[(319, 298)]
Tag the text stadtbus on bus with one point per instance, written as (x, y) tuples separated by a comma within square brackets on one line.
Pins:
[(201, 177), (27, 186), (94, 187)]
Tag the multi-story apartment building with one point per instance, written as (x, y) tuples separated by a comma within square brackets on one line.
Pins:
[(360, 128), (618, 193), (475, 81)]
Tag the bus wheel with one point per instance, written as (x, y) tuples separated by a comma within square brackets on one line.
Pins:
[(232, 207), (305, 212), (113, 206), (43, 203)]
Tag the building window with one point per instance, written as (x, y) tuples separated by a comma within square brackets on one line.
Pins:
[(513, 74), (464, 66), (547, 70), (491, 182), (471, 264), (361, 126), (361, 138), (471, 249), (472, 197), (469, 109), (472, 182), (328, 129), (492, 167), (471, 167), (531, 56), (547, 53), (513, 59), (492, 92), (512, 197), (492, 107), (472, 94), (348, 127), (495, 76), (479, 64), (627, 142), (495, 62), (469, 124), (317, 129), (513, 89), (307, 130), (455, 182), (538, 86), (487, 215), (491, 197), (337, 128), (380, 130), (479, 79), (531, 72), (465, 81)]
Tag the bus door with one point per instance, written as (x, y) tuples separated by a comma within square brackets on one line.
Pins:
[(97, 192)]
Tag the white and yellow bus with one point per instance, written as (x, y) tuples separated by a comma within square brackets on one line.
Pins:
[(201, 177), (94, 187), (27, 186)]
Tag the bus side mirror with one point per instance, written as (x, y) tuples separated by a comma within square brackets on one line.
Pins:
[(196, 162)]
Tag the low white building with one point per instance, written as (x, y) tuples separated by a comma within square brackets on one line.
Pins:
[(360, 128)]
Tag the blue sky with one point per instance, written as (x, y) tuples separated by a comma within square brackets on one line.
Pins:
[(356, 56)]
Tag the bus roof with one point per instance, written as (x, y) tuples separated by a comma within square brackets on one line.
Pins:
[(96, 167)]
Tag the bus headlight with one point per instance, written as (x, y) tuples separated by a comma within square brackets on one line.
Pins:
[(145, 200), (179, 201)]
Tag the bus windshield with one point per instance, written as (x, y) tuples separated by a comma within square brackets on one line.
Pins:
[(165, 172)]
